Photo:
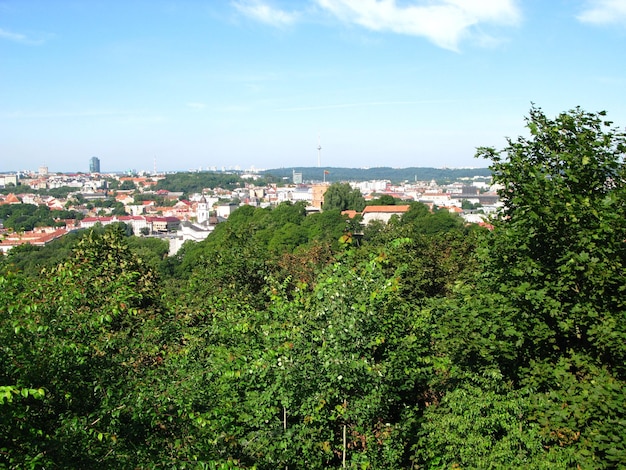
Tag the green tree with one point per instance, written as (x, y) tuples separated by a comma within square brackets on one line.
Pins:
[(118, 209), (112, 183), (560, 242), (383, 200), (342, 196), (77, 333), (467, 205), (546, 315), (127, 185), (197, 182)]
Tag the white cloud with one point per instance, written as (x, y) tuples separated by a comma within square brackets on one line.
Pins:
[(444, 22), (604, 12), (18, 37), (265, 13)]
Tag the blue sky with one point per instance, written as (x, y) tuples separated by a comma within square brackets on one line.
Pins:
[(219, 83)]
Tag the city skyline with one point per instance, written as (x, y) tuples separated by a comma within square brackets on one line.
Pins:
[(184, 84)]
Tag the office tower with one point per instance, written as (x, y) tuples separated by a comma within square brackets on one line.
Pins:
[(94, 165)]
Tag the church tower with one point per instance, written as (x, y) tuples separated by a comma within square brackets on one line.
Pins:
[(203, 210)]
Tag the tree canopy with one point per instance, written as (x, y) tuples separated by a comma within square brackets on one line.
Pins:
[(281, 342), (341, 196)]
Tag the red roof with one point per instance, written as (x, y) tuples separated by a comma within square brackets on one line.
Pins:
[(12, 199), (395, 209), (36, 237), (350, 213), (97, 219)]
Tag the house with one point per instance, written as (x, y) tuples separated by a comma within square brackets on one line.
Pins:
[(193, 231), (383, 213), (164, 224), (453, 209), (181, 209), (11, 199), (137, 222), (38, 237), (54, 204), (124, 199), (437, 199), (224, 210)]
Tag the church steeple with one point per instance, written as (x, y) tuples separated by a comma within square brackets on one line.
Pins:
[(203, 210)]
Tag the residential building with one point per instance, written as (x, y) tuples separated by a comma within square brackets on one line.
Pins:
[(38, 237), (383, 213)]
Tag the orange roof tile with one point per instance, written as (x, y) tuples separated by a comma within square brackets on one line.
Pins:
[(388, 209)]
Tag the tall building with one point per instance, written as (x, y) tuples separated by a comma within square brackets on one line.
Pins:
[(297, 177), (203, 210), (94, 165), (318, 194)]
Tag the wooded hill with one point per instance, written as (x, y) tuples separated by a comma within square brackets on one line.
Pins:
[(395, 175), (286, 341)]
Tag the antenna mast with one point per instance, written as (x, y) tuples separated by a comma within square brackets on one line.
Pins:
[(319, 152)]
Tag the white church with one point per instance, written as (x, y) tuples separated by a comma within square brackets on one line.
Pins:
[(203, 226)]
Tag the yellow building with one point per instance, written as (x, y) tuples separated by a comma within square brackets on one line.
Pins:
[(318, 190)]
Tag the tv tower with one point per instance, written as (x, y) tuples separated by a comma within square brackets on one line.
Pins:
[(319, 152)]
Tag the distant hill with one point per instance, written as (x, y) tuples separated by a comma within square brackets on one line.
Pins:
[(395, 175)]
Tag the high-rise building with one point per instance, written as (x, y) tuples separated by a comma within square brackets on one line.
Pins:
[(94, 165), (297, 177)]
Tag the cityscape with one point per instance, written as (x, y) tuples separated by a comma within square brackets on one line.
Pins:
[(180, 217), (321, 317), (313, 234)]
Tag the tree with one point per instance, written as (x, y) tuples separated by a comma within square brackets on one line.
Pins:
[(197, 182), (536, 378), (127, 185), (112, 183), (561, 238), (383, 200), (118, 209), (467, 205), (76, 334), (343, 197), (546, 315)]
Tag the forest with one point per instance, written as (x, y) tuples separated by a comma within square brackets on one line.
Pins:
[(287, 340), (395, 175)]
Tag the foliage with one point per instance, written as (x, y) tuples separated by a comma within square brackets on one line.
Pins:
[(280, 341), (197, 182), (30, 259), (578, 406), (127, 185), (560, 245), (271, 233), (160, 201), (25, 217), (341, 196), (482, 423), (76, 333), (395, 175), (383, 200), (545, 315)]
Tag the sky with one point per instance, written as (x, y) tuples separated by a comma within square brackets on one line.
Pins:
[(190, 84)]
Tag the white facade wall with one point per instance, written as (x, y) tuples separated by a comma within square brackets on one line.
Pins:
[(299, 195), (224, 210)]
